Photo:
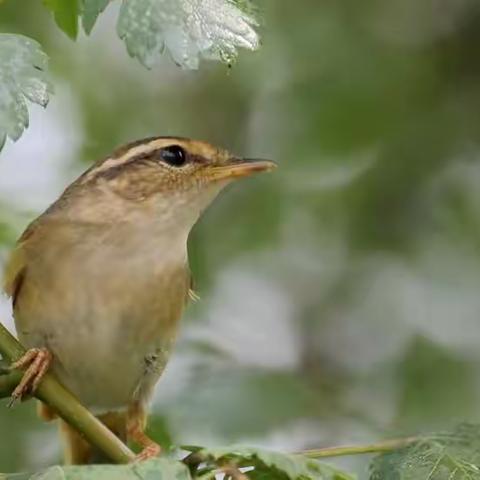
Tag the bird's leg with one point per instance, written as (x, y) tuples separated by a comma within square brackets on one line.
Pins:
[(136, 422), (37, 362)]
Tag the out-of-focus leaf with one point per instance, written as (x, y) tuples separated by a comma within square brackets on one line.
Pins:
[(7, 234), (445, 456), (270, 464), (66, 14), (14, 453), (189, 29), (158, 469), (22, 75), (159, 430), (91, 10), (436, 387), (239, 402)]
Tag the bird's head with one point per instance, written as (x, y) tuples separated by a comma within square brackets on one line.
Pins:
[(169, 178)]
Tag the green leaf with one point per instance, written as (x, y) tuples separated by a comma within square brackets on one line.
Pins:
[(22, 76), (270, 465), (91, 10), (157, 469), (188, 29), (66, 14), (446, 456)]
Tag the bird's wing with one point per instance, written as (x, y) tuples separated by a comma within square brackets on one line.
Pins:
[(15, 272), (16, 267)]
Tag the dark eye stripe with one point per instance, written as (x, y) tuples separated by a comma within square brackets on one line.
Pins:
[(152, 156)]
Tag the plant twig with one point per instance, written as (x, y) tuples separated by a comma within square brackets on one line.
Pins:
[(66, 405), (380, 447)]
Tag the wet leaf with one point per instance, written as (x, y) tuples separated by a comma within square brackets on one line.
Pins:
[(188, 29), (22, 76)]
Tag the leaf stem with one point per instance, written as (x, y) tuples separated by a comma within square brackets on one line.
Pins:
[(380, 447), (51, 392)]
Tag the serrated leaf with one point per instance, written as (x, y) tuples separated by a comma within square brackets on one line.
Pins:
[(270, 464), (188, 29), (66, 14), (157, 469), (22, 76), (445, 456), (91, 10)]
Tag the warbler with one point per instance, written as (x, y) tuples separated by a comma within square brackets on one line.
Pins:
[(99, 281)]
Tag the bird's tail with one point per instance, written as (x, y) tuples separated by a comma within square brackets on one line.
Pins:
[(77, 451)]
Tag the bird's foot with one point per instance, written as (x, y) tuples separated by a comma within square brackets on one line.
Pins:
[(37, 362), (136, 421), (150, 451)]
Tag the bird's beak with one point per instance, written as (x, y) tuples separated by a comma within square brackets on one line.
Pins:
[(240, 167)]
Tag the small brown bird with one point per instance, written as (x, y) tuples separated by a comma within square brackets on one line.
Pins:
[(99, 281)]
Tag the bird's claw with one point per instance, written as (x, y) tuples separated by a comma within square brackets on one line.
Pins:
[(151, 451), (37, 362)]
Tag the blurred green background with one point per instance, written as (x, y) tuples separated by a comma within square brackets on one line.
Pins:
[(340, 295)]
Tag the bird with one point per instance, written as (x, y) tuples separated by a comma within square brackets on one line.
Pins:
[(100, 280)]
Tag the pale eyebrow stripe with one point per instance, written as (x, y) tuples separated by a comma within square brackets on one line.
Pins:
[(129, 155)]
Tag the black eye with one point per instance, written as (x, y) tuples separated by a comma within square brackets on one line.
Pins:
[(173, 155)]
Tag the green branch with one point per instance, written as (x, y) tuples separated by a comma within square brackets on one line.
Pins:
[(380, 447), (65, 404)]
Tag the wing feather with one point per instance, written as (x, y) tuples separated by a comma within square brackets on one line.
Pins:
[(15, 273)]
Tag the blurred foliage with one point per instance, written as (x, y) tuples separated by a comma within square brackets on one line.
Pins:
[(429, 372), (366, 240), (15, 452), (65, 14), (236, 402)]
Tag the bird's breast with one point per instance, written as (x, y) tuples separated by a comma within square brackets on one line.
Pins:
[(109, 316)]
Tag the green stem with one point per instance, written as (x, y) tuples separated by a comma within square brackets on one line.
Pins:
[(380, 447), (67, 406)]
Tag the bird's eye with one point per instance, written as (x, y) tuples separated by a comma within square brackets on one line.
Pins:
[(173, 155)]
